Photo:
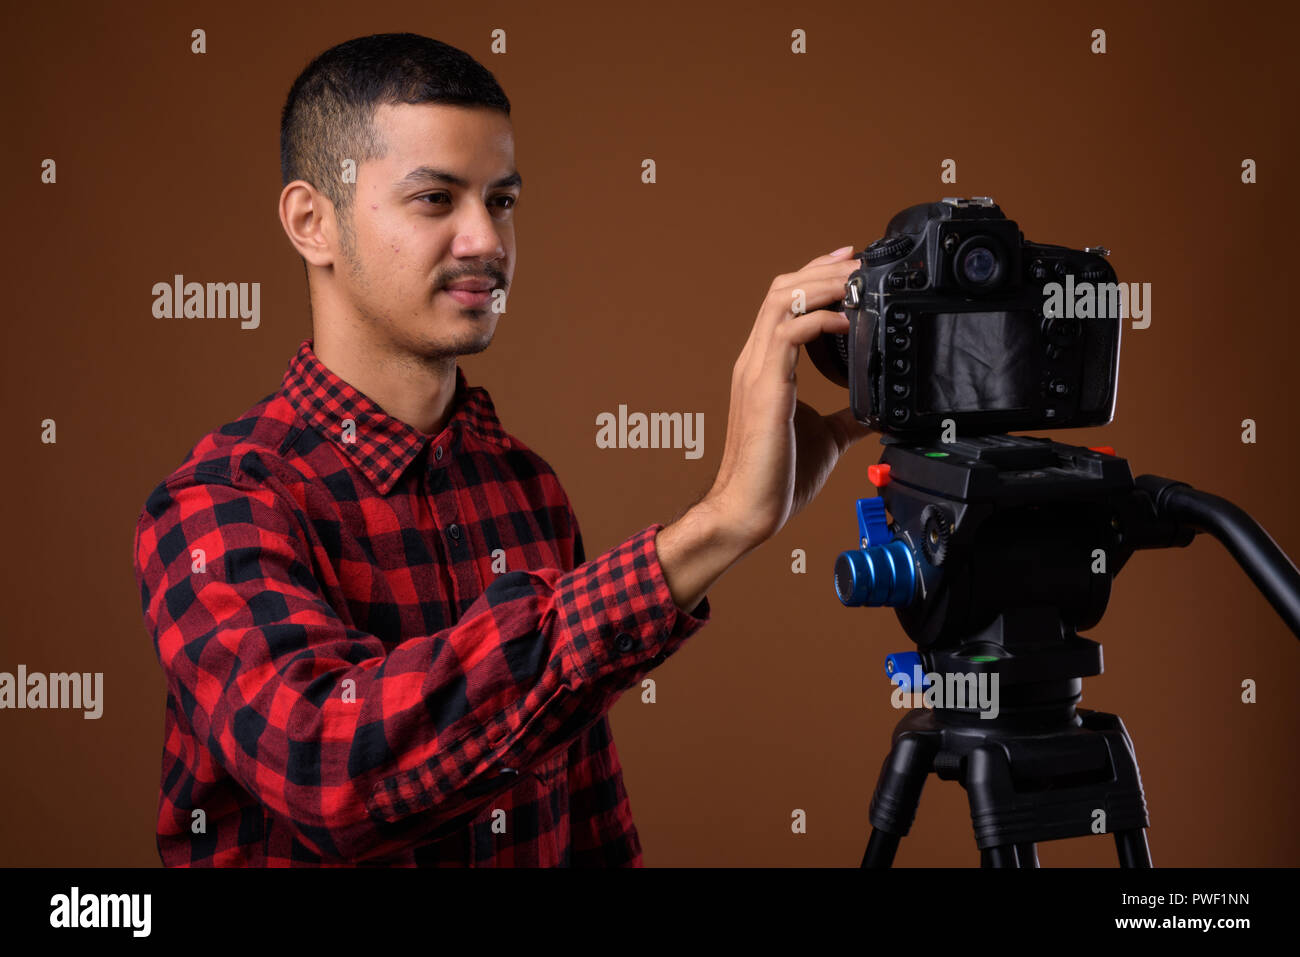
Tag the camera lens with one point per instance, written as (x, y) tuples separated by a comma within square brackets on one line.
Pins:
[(979, 265)]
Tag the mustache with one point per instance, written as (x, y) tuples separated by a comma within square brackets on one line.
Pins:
[(496, 278)]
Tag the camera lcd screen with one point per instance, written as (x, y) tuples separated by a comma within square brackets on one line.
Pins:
[(975, 361)]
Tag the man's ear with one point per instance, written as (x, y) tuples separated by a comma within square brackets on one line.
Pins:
[(308, 218)]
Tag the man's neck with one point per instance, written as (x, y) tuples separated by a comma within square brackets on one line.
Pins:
[(416, 390)]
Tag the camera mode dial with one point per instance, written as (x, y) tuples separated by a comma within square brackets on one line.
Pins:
[(887, 249)]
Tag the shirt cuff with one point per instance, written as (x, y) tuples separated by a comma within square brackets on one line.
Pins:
[(619, 614)]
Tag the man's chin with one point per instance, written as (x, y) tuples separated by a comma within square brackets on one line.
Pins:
[(452, 347)]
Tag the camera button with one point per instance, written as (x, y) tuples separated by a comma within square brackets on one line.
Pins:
[(900, 342), (900, 365), (899, 390), (897, 280)]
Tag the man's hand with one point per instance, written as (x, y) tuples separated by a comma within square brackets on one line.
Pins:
[(780, 451)]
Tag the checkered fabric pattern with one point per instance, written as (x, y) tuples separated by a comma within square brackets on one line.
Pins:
[(388, 648)]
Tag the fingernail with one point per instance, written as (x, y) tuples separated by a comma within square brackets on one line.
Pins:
[(842, 250)]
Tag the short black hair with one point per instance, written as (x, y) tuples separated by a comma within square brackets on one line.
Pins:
[(329, 114)]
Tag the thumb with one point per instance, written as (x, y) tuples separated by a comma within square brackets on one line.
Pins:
[(846, 425)]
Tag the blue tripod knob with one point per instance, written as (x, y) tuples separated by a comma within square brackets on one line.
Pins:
[(882, 571), (903, 669)]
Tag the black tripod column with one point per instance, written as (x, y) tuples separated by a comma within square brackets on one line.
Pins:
[(898, 791)]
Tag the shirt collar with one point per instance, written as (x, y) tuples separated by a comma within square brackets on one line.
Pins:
[(380, 445)]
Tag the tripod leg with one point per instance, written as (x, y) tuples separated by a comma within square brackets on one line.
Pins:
[(898, 791), (1132, 848), (881, 848), (1001, 856), (987, 781), (1027, 854)]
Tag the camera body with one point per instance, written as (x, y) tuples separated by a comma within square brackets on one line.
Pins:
[(953, 316)]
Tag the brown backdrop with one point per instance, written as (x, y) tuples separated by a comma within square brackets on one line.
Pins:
[(643, 295)]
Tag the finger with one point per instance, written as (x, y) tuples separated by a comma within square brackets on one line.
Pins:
[(816, 270), (841, 265), (808, 293), (834, 272), (839, 254), (783, 347)]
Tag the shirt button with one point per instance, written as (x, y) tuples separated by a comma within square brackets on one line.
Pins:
[(454, 531), (624, 642), (437, 453)]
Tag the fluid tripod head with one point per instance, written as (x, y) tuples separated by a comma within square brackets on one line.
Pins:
[(1002, 549)]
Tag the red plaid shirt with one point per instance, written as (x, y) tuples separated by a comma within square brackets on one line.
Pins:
[(385, 647)]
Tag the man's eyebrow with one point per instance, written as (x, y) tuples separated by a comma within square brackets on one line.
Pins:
[(423, 174)]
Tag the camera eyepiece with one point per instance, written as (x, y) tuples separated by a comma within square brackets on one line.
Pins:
[(979, 263)]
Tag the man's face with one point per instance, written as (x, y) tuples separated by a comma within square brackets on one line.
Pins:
[(414, 231)]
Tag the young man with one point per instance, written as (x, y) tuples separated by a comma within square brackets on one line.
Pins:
[(382, 639)]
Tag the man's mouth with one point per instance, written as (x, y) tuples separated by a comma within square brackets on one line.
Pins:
[(468, 297), (475, 293)]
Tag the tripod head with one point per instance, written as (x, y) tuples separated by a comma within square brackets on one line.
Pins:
[(1000, 551), (1003, 548)]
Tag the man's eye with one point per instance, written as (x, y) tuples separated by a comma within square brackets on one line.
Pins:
[(437, 199)]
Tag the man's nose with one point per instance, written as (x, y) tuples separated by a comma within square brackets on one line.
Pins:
[(476, 234)]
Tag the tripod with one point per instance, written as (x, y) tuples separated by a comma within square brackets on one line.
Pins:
[(1002, 549)]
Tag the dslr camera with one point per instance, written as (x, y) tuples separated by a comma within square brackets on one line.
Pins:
[(953, 316)]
